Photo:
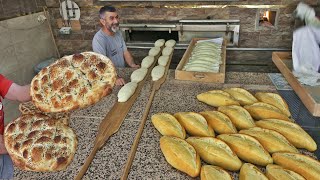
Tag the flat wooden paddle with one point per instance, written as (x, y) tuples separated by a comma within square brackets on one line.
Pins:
[(156, 86), (111, 123)]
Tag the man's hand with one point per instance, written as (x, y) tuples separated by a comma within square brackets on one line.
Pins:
[(3, 149), (134, 65), (120, 81)]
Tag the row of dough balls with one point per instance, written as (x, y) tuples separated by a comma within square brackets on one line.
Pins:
[(159, 70), (138, 75)]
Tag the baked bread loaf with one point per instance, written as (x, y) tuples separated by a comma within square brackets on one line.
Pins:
[(163, 60), (275, 100), (238, 115), (219, 122), (215, 152), (36, 142), (275, 172), (247, 148), (168, 125), (157, 72), (139, 74), (291, 131), (301, 164), (167, 51), (30, 108), (170, 43), (147, 61), (194, 123), (154, 51), (217, 98), (251, 172), (72, 82), (180, 155), (159, 42), (271, 140), (243, 96), (214, 172), (265, 111), (127, 91)]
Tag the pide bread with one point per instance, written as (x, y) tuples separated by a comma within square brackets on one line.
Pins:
[(301, 164), (243, 96), (163, 60), (251, 172), (217, 98), (275, 172), (238, 115), (73, 82), (219, 122), (247, 148), (167, 51), (154, 51), (127, 91), (291, 131), (194, 123), (147, 61), (159, 42), (36, 142), (214, 172), (170, 43), (262, 110), (275, 100), (30, 108), (157, 72), (215, 152), (168, 125), (271, 140), (139, 74), (180, 155)]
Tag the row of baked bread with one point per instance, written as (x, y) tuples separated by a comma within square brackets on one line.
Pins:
[(138, 75), (252, 145)]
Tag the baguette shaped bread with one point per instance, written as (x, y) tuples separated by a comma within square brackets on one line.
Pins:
[(214, 172), (168, 125), (275, 100), (243, 96), (271, 140), (291, 131), (275, 172), (251, 172), (215, 152), (194, 123), (262, 110), (219, 122), (217, 98), (301, 164), (238, 115), (247, 148), (180, 155)]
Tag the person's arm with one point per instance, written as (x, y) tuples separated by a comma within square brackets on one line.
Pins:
[(18, 93), (129, 59), (3, 149)]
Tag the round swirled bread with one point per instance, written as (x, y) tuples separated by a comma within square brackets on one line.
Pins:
[(30, 108), (73, 82), (36, 142)]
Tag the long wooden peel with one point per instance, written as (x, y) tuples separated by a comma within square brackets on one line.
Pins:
[(156, 86), (111, 124)]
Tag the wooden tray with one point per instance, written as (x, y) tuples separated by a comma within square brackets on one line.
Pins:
[(309, 95), (201, 76)]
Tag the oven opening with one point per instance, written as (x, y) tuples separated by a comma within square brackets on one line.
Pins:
[(152, 36)]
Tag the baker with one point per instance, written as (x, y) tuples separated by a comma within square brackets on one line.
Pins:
[(109, 41)]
